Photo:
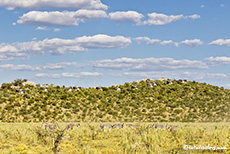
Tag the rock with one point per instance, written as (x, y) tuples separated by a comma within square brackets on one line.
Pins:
[(31, 83)]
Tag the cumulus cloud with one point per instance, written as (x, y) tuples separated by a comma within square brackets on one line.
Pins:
[(147, 40), (55, 46), (218, 60), (13, 56), (226, 86), (202, 76), (189, 43), (20, 67), (166, 42), (81, 75), (176, 75), (61, 46), (57, 30), (126, 16), (45, 75), (148, 64), (7, 48), (50, 4), (61, 66), (176, 44), (141, 75), (41, 28), (195, 16), (192, 43), (216, 75), (221, 42), (10, 52), (162, 19), (56, 18), (103, 41)]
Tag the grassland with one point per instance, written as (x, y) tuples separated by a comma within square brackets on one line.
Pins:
[(201, 110), (30, 138)]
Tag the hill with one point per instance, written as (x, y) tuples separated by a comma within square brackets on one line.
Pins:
[(143, 101)]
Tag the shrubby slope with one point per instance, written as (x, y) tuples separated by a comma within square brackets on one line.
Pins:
[(142, 101)]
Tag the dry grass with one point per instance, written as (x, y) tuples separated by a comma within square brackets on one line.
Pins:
[(30, 138)]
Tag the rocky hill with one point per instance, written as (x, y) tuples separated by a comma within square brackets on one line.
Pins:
[(145, 101)]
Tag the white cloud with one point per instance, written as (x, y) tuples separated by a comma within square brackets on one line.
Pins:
[(103, 41), (202, 6), (13, 56), (45, 75), (128, 16), (147, 40), (57, 29), (176, 44), (216, 75), (20, 67), (226, 86), (202, 76), (81, 75), (141, 75), (50, 4), (189, 43), (161, 19), (166, 42), (41, 28), (10, 52), (65, 18), (61, 46), (218, 60), (221, 42), (55, 45), (7, 48), (89, 14), (61, 66), (148, 64), (195, 16), (192, 43), (221, 5), (14, 24)]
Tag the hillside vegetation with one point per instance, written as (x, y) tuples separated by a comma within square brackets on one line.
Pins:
[(142, 101)]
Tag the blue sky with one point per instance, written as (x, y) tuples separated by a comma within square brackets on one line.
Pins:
[(101, 43)]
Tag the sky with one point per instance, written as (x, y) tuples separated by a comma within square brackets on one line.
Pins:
[(92, 43)]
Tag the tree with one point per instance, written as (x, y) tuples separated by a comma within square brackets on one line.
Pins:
[(6, 86)]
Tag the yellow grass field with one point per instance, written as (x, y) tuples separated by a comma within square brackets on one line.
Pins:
[(89, 138)]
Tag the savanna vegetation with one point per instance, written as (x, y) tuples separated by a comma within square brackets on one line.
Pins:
[(32, 138), (142, 101), (201, 111)]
